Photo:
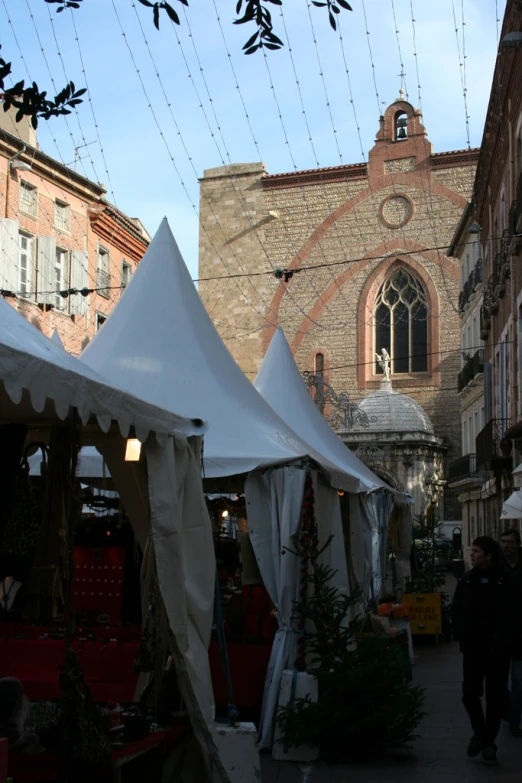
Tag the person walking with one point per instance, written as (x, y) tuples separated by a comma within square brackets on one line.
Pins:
[(510, 545), (481, 618)]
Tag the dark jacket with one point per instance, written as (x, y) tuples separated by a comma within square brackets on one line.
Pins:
[(516, 583), (482, 611)]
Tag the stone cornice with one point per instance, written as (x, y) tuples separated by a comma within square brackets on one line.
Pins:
[(295, 179)]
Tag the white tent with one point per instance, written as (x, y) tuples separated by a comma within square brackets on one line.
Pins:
[(91, 465), (280, 383), (42, 384), (512, 508), (160, 344)]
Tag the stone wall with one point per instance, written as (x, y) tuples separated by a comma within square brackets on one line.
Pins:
[(337, 231)]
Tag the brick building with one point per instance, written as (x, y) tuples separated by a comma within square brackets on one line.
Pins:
[(58, 232), (493, 446), (362, 265)]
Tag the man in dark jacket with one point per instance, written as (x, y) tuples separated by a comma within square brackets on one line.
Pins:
[(481, 617), (510, 545)]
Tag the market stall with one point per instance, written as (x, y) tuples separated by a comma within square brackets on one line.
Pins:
[(161, 329), (48, 396)]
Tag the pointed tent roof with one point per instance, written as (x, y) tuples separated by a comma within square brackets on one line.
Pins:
[(30, 362), (160, 343), (280, 383), (57, 339)]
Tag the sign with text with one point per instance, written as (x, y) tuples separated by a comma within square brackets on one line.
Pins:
[(424, 607)]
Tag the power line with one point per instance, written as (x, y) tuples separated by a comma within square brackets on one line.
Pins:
[(353, 365)]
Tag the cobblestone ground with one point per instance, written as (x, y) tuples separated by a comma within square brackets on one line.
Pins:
[(439, 754)]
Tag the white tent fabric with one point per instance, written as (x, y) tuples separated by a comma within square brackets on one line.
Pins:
[(57, 339), (280, 383), (272, 527), (512, 508), (160, 344), (29, 360), (179, 524), (377, 507), (90, 464)]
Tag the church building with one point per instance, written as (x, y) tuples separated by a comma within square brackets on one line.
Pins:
[(351, 261)]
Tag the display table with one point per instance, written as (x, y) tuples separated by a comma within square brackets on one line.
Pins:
[(107, 667), (46, 767)]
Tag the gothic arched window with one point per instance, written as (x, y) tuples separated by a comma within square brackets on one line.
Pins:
[(401, 323)]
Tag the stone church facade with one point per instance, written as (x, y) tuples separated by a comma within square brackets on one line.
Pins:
[(347, 260)]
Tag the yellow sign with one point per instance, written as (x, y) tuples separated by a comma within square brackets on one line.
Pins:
[(425, 612)]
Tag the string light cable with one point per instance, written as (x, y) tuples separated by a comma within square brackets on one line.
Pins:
[(66, 171), (261, 273), (238, 193), (85, 144), (260, 310)]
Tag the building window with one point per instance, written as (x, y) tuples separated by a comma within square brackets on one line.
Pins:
[(401, 323), (25, 264), (401, 126), (126, 271), (100, 320), (60, 276), (103, 277), (62, 216), (28, 199)]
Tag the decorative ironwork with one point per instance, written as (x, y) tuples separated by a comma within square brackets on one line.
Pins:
[(491, 447), (462, 468), (474, 366), (343, 413), (369, 453)]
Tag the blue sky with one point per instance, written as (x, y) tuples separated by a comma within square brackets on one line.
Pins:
[(158, 133)]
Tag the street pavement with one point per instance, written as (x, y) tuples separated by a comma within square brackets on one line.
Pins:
[(439, 753)]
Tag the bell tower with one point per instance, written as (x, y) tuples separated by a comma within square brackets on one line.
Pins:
[(401, 136)]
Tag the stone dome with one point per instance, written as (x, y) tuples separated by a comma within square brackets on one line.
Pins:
[(391, 411)]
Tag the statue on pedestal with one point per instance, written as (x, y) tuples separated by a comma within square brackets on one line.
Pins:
[(384, 360)]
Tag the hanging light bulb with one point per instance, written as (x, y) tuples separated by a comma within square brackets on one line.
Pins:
[(224, 514), (132, 450)]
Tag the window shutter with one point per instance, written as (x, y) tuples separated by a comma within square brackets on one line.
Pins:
[(9, 259), (45, 282), (79, 279)]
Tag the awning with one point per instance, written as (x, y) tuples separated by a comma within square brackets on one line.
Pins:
[(512, 508)]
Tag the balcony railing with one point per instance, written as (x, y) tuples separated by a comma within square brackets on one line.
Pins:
[(475, 277), (462, 468), (473, 367), (491, 448)]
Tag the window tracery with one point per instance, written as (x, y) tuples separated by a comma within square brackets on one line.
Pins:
[(401, 323)]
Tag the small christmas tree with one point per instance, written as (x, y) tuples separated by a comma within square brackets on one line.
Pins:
[(365, 703)]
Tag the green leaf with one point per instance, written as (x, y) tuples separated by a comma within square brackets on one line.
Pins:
[(253, 49), (333, 23), (251, 40), (171, 13), (156, 16), (147, 3), (344, 4)]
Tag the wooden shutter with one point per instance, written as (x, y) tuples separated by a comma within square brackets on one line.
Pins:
[(79, 279), (9, 258), (45, 281)]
